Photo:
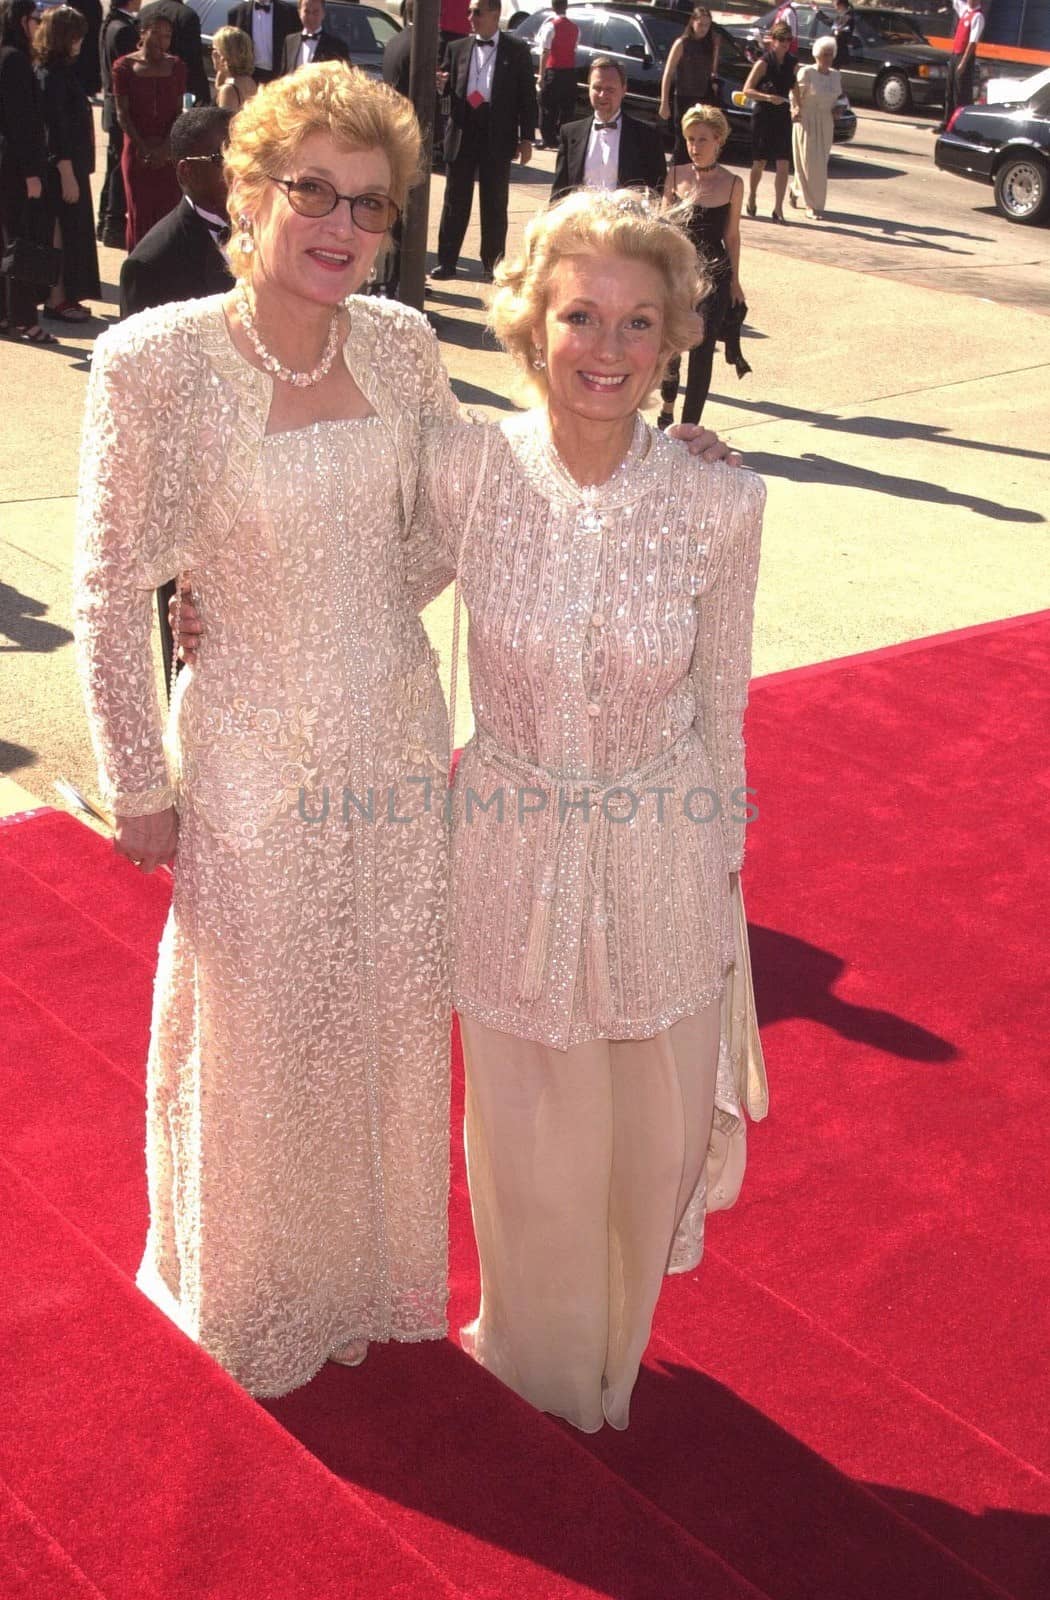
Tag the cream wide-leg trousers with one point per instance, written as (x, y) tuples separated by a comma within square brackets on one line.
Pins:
[(581, 1163)]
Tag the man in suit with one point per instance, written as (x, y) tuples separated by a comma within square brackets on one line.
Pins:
[(492, 121), (267, 24), (119, 37), (185, 43), (610, 150), (397, 55), (313, 42), (183, 256)]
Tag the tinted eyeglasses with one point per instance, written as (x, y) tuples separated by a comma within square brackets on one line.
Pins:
[(315, 197), (216, 158)]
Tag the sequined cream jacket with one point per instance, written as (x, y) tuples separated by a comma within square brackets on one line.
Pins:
[(599, 809), (171, 380)]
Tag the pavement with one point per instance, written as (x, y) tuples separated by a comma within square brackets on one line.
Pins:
[(899, 418)]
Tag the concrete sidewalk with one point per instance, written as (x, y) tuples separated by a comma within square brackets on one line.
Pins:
[(908, 473)]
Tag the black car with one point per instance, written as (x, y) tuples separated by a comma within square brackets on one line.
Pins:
[(640, 38), (891, 63), (1007, 146), (365, 30)]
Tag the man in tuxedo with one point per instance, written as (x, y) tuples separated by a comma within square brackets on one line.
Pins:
[(610, 150), (119, 37), (183, 255), (313, 42), (492, 120), (185, 43), (267, 24)]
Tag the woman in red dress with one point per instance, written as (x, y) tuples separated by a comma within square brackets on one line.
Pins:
[(148, 86)]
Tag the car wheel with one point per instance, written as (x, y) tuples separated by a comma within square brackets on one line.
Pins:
[(892, 92), (1022, 189)]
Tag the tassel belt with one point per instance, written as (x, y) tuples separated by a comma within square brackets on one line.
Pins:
[(581, 798)]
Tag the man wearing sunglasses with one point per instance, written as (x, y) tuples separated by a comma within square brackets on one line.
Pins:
[(183, 256)]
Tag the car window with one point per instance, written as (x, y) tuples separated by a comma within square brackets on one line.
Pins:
[(664, 31), (618, 33), (588, 27), (212, 14), (358, 27), (529, 27), (891, 28), (1039, 105)]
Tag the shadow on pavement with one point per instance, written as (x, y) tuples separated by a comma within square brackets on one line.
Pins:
[(881, 428), (810, 468), (15, 756), (20, 623)]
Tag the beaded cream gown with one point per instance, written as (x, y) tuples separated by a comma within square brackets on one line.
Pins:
[(297, 1118), (599, 956)]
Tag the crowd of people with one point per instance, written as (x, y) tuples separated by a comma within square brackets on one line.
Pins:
[(148, 63)]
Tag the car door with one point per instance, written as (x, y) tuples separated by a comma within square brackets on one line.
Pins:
[(364, 30), (622, 38)]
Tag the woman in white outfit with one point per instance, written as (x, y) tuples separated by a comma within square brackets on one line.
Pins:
[(813, 98), (598, 810)]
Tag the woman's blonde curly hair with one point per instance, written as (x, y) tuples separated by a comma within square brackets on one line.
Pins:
[(356, 111), (595, 222)]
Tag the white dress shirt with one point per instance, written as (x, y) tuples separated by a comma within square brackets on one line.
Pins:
[(482, 66), (215, 225), (603, 156), (307, 50), (262, 38)]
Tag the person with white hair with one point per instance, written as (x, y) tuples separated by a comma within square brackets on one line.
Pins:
[(813, 98)]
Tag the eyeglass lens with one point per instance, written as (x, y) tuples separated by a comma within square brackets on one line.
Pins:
[(315, 197)]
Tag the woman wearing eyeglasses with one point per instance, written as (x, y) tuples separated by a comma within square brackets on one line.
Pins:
[(269, 441)]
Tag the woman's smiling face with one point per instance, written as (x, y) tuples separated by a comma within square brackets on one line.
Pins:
[(602, 336), (322, 259)]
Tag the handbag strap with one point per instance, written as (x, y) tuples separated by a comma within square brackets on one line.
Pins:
[(457, 601)]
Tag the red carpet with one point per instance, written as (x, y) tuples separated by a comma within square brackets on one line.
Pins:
[(848, 1400)]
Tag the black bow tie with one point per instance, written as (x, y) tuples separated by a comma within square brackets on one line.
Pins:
[(485, 44), (607, 126), (311, 35), (220, 235)]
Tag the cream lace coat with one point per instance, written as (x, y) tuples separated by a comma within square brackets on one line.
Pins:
[(297, 1116)]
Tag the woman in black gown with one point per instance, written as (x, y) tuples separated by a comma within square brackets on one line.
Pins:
[(23, 161), (769, 84), (70, 161), (713, 195), (688, 80)]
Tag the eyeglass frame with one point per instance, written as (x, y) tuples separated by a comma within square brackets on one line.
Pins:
[(217, 157), (288, 184)]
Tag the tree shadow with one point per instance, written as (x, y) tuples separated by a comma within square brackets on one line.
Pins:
[(811, 468), (797, 979), (884, 428), (20, 623), (424, 1429)]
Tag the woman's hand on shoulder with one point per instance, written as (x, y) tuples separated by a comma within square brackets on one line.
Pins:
[(148, 842), (191, 628), (705, 444)]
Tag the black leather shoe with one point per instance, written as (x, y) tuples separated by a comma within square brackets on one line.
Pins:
[(439, 273)]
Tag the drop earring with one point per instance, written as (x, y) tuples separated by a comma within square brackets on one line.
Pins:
[(538, 361), (245, 242)]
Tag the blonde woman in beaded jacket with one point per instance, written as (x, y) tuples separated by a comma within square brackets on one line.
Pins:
[(599, 951), (298, 1072)]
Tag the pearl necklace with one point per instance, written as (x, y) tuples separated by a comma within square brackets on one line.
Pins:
[(301, 380)]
